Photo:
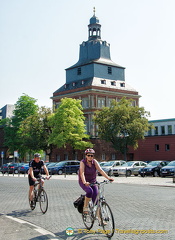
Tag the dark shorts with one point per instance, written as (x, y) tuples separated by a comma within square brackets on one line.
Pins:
[(31, 182)]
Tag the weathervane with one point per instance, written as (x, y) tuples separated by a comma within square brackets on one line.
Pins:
[(94, 11)]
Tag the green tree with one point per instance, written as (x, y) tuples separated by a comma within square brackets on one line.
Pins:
[(122, 124), (67, 125), (35, 131), (24, 107)]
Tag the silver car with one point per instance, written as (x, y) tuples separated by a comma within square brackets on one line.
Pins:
[(129, 168), (108, 166)]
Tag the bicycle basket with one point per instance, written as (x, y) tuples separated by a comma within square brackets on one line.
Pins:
[(79, 203)]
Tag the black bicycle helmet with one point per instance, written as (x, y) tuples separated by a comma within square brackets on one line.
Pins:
[(37, 155), (89, 150)]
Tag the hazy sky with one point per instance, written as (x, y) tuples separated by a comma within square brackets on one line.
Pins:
[(39, 39)]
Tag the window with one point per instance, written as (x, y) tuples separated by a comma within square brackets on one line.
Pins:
[(110, 101), (101, 102), (150, 132), (82, 82), (156, 147), (66, 156), (109, 70), (85, 102), (103, 81), (103, 157), (113, 156), (167, 147), (113, 83), (73, 84), (163, 130), (156, 130), (169, 129), (79, 71), (122, 84)]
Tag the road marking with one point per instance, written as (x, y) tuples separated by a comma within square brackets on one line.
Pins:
[(47, 233)]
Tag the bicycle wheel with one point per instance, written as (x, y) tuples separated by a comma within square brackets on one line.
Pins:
[(88, 219), (107, 219), (43, 201)]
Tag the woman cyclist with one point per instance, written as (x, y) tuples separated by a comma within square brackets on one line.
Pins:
[(87, 175)]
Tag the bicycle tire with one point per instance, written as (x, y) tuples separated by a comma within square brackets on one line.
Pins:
[(107, 219), (88, 219), (43, 201)]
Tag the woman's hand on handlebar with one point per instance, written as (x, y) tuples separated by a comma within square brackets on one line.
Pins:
[(111, 179), (87, 184)]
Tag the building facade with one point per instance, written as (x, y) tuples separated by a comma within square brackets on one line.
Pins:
[(159, 143), (96, 80)]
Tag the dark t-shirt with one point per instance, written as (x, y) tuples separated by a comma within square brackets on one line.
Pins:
[(36, 167)]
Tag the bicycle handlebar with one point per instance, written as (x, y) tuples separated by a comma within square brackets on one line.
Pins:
[(99, 183), (44, 178)]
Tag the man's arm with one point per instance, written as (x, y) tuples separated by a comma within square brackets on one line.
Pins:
[(46, 170)]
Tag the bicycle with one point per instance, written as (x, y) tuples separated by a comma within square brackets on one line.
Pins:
[(101, 210), (40, 196)]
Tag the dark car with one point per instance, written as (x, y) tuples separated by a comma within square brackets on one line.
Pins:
[(168, 170), (153, 168), (4, 167), (67, 167), (24, 168), (14, 167), (50, 166)]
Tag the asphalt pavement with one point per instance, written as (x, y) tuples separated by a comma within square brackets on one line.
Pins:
[(14, 228)]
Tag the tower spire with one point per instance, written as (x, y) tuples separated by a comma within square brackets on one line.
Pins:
[(94, 11)]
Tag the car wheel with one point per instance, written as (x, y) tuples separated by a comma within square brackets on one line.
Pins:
[(136, 175), (115, 175), (16, 171), (60, 172), (142, 174), (155, 174), (110, 173), (128, 173)]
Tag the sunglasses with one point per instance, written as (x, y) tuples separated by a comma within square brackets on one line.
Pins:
[(90, 155)]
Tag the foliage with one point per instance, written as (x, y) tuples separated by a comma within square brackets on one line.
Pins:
[(35, 130), (122, 124), (67, 125), (24, 107)]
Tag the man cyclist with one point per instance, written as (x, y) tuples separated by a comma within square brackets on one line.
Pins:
[(35, 172)]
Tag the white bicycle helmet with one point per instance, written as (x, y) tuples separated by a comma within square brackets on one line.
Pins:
[(89, 150)]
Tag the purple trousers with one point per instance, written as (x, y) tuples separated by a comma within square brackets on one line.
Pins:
[(91, 191)]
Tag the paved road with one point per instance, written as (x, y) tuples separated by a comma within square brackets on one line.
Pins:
[(137, 204)]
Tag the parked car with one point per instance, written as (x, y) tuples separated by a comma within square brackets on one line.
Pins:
[(4, 167), (50, 166), (153, 168), (70, 166), (168, 170), (14, 167), (108, 166), (129, 168), (101, 163), (24, 168)]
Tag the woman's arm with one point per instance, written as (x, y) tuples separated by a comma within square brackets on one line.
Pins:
[(81, 169), (100, 170)]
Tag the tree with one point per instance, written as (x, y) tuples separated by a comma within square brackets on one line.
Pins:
[(24, 107), (122, 124), (67, 125), (35, 131)]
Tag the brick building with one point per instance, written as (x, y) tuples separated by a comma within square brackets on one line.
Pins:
[(96, 80)]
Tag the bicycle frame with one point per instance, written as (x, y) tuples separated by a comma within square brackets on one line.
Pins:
[(99, 198)]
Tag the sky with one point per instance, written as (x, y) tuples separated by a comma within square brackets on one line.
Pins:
[(39, 39)]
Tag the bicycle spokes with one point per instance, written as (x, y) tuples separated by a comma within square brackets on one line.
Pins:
[(107, 219), (43, 200)]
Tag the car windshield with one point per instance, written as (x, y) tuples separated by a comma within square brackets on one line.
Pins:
[(171, 163), (108, 164), (60, 164), (153, 163), (128, 164)]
